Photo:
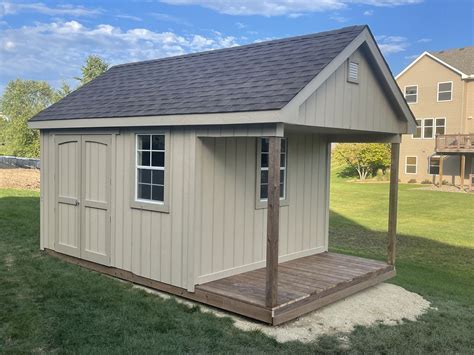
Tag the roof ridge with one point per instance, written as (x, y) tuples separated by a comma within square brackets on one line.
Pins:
[(245, 46), (451, 49)]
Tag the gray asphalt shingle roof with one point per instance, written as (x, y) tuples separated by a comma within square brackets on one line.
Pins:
[(460, 58), (261, 76)]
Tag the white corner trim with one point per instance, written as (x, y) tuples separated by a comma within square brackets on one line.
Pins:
[(463, 75)]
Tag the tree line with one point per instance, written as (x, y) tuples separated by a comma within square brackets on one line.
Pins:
[(22, 99)]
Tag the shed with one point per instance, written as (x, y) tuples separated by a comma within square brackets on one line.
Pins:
[(207, 175)]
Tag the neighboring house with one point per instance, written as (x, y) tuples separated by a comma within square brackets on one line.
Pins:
[(198, 174), (439, 87)]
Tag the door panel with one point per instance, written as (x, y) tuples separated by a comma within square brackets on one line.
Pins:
[(95, 210), (68, 159)]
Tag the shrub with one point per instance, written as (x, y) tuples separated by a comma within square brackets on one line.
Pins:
[(412, 181), (426, 182), (445, 182)]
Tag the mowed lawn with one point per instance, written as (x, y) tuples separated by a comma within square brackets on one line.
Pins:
[(48, 305)]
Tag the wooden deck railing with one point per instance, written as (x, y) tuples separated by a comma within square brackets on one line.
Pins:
[(462, 143)]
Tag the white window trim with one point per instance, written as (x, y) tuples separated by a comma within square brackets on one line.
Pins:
[(438, 92), (433, 128), (436, 126), (429, 163), (416, 164), (421, 128), (284, 201), (405, 94), (150, 205)]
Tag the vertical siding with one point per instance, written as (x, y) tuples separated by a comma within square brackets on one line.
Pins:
[(155, 244), (232, 230), (340, 104), (213, 225)]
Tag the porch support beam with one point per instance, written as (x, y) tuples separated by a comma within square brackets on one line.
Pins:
[(393, 203), (273, 221), (463, 172), (441, 161)]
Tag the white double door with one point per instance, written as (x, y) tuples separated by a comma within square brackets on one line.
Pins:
[(83, 183)]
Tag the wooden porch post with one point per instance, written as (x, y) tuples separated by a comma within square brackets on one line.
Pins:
[(393, 203), (441, 159), (463, 167), (273, 219)]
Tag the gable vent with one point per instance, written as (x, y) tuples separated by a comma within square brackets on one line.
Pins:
[(353, 72)]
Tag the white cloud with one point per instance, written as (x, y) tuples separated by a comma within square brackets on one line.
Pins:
[(283, 7), (8, 8), (170, 18), (424, 40), (240, 25), (55, 51), (368, 12), (392, 44), (129, 17), (339, 18)]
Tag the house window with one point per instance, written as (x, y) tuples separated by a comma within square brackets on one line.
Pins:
[(353, 72), (428, 128), (150, 168), (440, 125), (445, 91), (410, 165), (264, 169), (411, 94), (419, 127), (434, 165)]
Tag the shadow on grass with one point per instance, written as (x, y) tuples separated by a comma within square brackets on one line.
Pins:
[(425, 266)]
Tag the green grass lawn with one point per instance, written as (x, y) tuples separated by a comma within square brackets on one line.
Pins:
[(48, 305)]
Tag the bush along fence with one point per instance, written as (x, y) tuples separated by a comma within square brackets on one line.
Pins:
[(7, 162)]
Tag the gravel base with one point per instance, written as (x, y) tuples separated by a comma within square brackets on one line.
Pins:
[(382, 304)]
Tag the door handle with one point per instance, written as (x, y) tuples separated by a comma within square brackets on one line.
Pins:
[(77, 202)]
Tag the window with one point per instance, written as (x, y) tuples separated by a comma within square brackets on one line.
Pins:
[(419, 127), (445, 91), (411, 94), (150, 168), (353, 72), (264, 169), (440, 125), (410, 165), (428, 128), (434, 165)]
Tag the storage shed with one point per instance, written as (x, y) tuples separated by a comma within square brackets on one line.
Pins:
[(207, 175)]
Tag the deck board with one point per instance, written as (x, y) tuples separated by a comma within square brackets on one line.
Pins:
[(310, 277)]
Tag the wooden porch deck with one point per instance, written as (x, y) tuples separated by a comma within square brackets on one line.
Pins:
[(304, 285)]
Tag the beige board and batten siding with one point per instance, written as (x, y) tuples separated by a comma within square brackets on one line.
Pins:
[(147, 243), (339, 103), (205, 235), (230, 231)]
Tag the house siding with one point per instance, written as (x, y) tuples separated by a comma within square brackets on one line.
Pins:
[(426, 73)]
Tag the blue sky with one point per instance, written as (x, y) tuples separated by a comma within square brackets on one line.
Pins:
[(49, 40)]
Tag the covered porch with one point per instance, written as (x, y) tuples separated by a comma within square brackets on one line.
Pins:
[(284, 290), (304, 285)]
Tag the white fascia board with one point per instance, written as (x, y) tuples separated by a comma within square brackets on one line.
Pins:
[(463, 76)]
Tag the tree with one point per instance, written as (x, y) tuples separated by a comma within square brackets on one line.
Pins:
[(93, 67), (22, 100), (365, 158)]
